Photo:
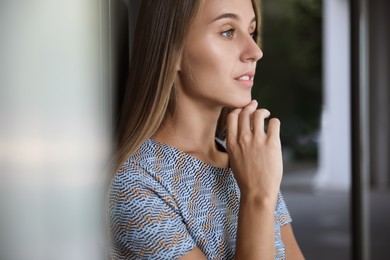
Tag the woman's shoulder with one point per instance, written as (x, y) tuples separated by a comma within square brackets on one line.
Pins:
[(144, 172), (147, 154), (151, 158)]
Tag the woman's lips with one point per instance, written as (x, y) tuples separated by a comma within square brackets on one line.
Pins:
[(246, 79)]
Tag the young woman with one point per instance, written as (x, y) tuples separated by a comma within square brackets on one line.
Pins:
[(181, 191)]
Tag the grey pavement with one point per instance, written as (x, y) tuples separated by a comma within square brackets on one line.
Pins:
[(322, 219)]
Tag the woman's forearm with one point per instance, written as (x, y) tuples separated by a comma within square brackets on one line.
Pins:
[(255, 232)]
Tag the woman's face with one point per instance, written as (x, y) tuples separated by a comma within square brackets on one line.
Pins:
[(219, 59)]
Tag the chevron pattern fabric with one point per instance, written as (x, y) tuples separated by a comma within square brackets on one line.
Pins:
[(164, 202)]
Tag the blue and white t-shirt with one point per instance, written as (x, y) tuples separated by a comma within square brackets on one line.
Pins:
[(164, 202)]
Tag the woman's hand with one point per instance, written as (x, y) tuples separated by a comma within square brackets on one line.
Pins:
[(255, 155)]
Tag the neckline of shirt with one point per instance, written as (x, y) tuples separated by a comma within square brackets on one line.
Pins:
[(174, 151)]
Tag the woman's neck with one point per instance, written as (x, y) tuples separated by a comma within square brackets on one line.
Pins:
[(192, 130)]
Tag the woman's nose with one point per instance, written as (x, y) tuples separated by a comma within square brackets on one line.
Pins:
[(251, 50)]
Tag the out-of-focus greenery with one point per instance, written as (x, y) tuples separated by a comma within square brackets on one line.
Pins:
[(289, 76)]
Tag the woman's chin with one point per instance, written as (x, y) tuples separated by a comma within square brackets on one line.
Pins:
[(241, 103)]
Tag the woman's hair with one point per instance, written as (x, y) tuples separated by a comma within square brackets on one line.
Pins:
[(160, 36)]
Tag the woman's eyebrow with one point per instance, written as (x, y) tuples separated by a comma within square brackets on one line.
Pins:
[(230, 16)]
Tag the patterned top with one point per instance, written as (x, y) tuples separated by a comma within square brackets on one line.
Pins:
[(164, 202)]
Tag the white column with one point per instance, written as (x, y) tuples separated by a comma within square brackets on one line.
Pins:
[(334, 151), (53, 128)]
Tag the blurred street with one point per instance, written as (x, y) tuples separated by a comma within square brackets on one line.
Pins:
[(321, 218)]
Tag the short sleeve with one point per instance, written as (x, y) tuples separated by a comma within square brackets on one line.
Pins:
[(144, 218), (282, 216)]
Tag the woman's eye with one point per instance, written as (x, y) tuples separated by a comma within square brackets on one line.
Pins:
[(228, 33)]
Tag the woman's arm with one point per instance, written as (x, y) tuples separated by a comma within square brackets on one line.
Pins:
[(255, 234), (256, 160), (293, 252)]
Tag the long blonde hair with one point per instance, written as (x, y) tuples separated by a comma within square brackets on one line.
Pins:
[(160, 36)]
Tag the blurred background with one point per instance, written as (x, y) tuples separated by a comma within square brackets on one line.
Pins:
[(325, 74), (54, 128)]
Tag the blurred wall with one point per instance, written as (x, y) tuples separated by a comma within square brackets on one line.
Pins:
[(55, 127)]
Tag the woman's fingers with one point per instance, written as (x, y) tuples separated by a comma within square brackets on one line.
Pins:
[(273, 129), (244, 120), (254, 155), (258, 121), (238, 122), (247, 121), (232, 125)]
